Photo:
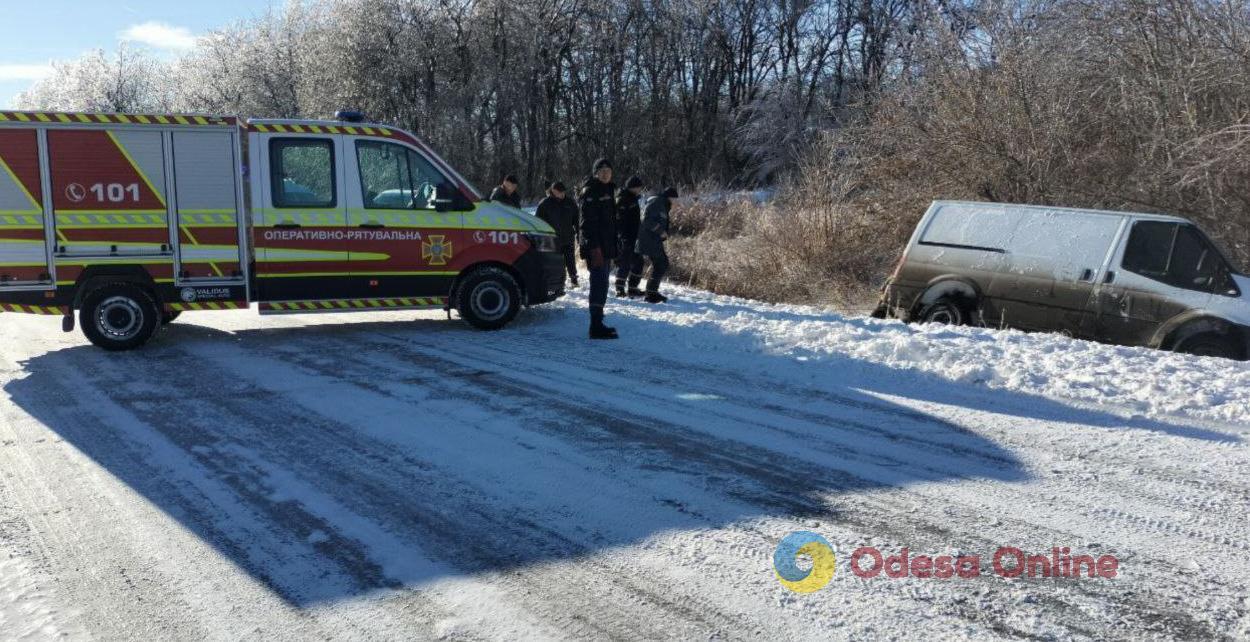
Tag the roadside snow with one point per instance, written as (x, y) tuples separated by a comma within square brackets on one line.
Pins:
[(1137, 380)]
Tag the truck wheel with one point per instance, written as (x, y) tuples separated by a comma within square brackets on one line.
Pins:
[(488, 298), (1212, 345), (945, 310), (119, 316), (168, 317)]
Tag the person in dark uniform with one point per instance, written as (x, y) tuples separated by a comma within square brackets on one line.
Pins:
[(651, 236), (506, 192), (561, 214), (628, 217), (599, 241)]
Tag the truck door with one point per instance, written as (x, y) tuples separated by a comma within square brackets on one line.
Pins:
[(25, 259), (404, 230), (300, 225), (207, 214), (1163, 269)]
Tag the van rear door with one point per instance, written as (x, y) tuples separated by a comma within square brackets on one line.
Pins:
[(25, 259)]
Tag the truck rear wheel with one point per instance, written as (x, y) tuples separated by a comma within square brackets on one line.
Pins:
[(488, 298), (119, 316)]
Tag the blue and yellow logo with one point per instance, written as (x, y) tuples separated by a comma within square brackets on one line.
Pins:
[(815, 547)]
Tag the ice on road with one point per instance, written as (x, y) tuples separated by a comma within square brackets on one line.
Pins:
[(398, 475)]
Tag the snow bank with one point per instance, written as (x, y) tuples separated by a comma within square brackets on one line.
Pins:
[(1137, 380)]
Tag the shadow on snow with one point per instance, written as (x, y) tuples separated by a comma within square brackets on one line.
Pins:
[(331, 460)]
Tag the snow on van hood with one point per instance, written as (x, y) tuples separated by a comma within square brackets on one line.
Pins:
[(528, 219)]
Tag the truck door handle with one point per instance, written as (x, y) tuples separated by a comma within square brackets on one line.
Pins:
[(1109, 278), (1087, 275), (373, 226), (285, 226)]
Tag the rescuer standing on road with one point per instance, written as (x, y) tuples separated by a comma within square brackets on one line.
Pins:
[(599, 241), (561, 214), (651, 237), (506, 192), (628, 216)]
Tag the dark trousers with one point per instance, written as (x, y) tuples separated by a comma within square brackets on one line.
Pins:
[(570, 261), (659, 267), (598, 290), (624, 262)]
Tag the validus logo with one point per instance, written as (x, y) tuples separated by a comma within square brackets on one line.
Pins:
[(805, 562)]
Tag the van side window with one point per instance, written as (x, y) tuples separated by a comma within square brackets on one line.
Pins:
[(1148, 249), (1174, 254), (301, 172)]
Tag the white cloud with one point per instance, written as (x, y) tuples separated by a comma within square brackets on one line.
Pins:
[(10, 73), (159, 35)]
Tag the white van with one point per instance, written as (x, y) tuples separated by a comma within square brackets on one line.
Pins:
[(1130, 279)]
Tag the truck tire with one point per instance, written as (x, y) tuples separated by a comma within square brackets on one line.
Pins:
[(1212, 345), (946, 310), (119, 316), (488, 298), (169, 316)]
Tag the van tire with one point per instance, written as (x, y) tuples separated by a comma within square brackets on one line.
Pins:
[(168, 317), (947, 311), (488, 298), (1210, 344), (119, 316)]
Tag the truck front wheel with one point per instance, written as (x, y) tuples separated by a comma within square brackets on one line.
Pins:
[(488, 298), (119, 316)]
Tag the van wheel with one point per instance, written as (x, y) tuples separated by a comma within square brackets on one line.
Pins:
[(168, 317), (488, 298), (946, 310), (1212, 345), (119, 316)]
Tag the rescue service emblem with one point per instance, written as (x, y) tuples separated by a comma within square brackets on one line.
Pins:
[(436, 249), (187, 294)]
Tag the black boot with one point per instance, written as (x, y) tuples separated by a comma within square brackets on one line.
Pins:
[(620, 289), (655, 297), (597, 329)]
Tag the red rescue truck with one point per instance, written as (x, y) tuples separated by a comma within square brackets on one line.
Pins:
[(133, 218)]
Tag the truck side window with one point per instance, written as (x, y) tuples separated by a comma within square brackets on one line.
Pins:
[(385, 179), (302, 172)]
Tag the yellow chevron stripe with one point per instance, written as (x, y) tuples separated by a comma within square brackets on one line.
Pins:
[(135, 165)]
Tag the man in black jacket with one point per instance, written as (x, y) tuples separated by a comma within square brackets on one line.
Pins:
[(651, 237), (599, 241), (561, 214), (506, 192), (628, 217)]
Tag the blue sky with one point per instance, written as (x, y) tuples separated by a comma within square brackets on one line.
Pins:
[(34, 33)]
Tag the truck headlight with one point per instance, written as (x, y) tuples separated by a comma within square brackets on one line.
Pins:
[(543, 242)]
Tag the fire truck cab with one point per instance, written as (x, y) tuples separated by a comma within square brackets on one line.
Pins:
[(131, 219)]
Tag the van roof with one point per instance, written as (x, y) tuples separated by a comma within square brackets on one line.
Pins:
[(1145, 215), (318, 123)]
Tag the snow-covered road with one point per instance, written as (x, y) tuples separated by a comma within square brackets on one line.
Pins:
[(372, 476)]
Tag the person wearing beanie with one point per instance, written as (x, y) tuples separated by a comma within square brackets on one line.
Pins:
[(506, 192), (651, 236), (629, 214), (599, 241), (561, 214)]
